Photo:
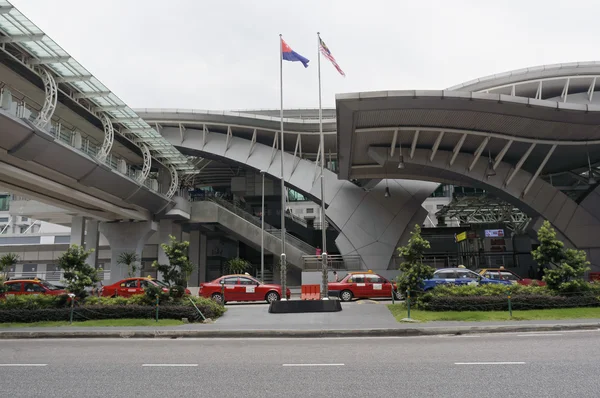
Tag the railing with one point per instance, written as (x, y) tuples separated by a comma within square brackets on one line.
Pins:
[(292, 240), (50, 276), (334, 262), (58, 128)]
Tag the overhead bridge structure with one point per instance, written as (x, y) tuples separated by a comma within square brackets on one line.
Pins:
[(508, 134)]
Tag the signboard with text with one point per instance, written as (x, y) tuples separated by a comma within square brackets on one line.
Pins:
[(494, 233)]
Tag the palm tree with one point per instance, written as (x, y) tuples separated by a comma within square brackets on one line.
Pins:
[(129, 259), (8, 261)]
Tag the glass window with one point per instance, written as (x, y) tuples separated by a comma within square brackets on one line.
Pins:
[(375, 279), (132, 283), (247, 281), (33, 287), (357, 279), (467, 275), (231, 281), (13, 287), (444, 275), (4, 202)]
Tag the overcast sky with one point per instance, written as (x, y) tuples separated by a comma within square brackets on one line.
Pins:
[(224, 54)]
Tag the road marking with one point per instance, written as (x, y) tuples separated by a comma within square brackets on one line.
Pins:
[(170, 364), (312, 364), (22, 364), (489, 363), (539, 334)]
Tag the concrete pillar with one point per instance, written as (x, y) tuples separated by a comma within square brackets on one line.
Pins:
[(125, 237), (18, 270), (92, 237), (194, 254), (77, 230), (202, 259), (41, 271)]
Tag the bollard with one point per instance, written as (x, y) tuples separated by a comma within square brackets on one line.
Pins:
[(509, 303), (393, 301), (157, 300), (223, 292), (408, 301), (72, 308)]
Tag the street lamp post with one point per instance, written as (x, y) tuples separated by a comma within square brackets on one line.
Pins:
[(262, 230)]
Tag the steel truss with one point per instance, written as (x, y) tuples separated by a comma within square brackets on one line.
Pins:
[(51, 91)]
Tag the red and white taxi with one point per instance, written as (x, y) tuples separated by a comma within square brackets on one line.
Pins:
[(364, 285), (132, 286), (18, 287), (240, 288)]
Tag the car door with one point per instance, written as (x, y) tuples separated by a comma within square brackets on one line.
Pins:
[(128, 288), (33, 288), (249, 290), (376, 286), (230, 288), (359, 286), (467, 277), (13, 288)]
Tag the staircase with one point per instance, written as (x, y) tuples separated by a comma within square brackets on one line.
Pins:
[(248, 228)]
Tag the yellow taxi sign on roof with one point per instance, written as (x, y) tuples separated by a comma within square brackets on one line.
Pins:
[(361, 272), (149, 276)]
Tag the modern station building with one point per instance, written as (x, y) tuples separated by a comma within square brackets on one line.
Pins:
[(479, 166)]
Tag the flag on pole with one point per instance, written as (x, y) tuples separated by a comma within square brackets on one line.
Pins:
[(325, 51), (288, 54)]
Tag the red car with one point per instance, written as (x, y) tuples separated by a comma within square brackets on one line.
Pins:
[(31, 286), (131, 286), (241, 288), (364, 285)]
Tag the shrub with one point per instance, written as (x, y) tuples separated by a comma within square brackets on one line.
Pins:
[(414, 271), (177, 292), (488, 290), (97, 312), (33, 301), (77, 273), (209, 307), (152, 291), (179, 269), (500, 303)]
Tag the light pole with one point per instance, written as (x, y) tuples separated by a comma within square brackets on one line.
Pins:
[(262, 230)]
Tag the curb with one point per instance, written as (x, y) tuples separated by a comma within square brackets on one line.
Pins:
[(391, 332)]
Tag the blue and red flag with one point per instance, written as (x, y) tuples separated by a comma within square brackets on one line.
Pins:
[(288, 54)]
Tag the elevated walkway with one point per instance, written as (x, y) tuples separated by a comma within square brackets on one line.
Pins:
[(247, 228)]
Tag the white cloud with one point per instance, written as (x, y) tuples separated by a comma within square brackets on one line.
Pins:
[(224, 54)]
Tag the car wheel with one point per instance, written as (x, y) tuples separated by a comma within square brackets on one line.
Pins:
[(218, 297), (272, 296), (346, 295), (398, 295)]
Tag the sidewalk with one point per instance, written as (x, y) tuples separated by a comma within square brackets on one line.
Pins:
[(355, 320)]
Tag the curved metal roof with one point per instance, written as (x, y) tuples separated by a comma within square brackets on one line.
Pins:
[(530, 74)]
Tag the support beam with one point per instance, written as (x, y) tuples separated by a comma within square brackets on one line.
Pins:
[(478, 153), (92, 237), (393, 146), (77, 231), (513, 89), (110, 108), (204, 135), (228, 138), (109, 136), (297, 152), (538, 171), (252, 143), (414, 144), (48, 60), (21, 38), (174, 184), (501, 154), (99, 94), (538, 93), (457, 148), (51, 97), (147, 163), (565, 91), (519, 165), (591, 90), (275, 147), (436, 145), (181, 131), (74, 79)]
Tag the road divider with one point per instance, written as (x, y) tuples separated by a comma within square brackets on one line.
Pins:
[(489, 363), (311, 364)]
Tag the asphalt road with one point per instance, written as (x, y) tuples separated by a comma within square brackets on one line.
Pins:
[(561, 364)]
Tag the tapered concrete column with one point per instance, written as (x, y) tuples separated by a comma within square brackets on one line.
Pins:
[(195, 257), (92, 237), (202, 259), (125, 237), (77, 230)]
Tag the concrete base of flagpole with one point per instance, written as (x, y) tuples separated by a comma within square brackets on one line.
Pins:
[(303, 306)]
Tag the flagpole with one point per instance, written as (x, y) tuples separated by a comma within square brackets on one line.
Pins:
[(325, 276), (283, 259)]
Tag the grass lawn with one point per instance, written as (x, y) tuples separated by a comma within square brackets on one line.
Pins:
[(102, 322), (399, 312)]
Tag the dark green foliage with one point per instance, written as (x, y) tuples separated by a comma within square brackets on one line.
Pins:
[(500, 303), (152, 291), (180, 267), (77, 273), (7, 261), (413, 269), (237, 265), (32, 301), (564, 268), (130, 260), (177, 292)]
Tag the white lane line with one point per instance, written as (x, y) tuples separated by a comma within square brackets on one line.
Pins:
[(22, 364), (312, 364), (539, 334), (489, 363), (170, 364)]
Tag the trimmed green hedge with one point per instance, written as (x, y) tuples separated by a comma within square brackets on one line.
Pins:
[(31, 308), (500, 303)]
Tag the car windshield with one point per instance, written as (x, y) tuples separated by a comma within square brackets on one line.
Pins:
[(159, 283), (502, 275)]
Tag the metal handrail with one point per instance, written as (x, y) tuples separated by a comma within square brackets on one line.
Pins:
[(291, 239), (334, 262), (50, 276)]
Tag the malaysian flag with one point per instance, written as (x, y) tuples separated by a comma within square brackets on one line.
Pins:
[(325, 51)]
